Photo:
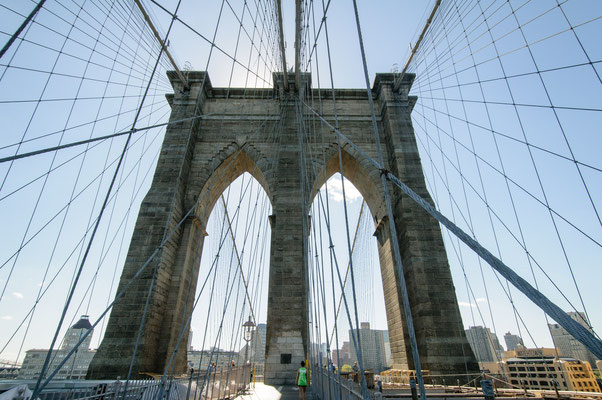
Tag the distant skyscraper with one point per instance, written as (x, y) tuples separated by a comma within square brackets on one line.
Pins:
[(485, 345), (319, 352), (260, 334), (256, 352), (373, 347), (512, 341), (342, 356), (75, 333), (568, 345), (387, 348)]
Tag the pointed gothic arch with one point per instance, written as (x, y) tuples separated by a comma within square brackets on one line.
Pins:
[(363, 176), (220, 172), (193, 159)]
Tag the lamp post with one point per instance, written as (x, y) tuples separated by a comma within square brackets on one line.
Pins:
[(248, 328)]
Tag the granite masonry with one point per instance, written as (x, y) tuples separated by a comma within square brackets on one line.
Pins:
[(257, 131)]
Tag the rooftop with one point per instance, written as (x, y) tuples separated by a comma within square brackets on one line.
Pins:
[(83, 323)]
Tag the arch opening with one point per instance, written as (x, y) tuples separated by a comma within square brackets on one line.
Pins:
[(367, 278), (233, 275), (364, 177), (231, 167)]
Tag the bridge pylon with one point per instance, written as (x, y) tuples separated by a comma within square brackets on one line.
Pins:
[(255, 131)]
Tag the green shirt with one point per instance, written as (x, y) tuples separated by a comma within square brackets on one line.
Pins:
[(302, 377)]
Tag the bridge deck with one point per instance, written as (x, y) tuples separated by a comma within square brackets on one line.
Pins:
[(261, 391)]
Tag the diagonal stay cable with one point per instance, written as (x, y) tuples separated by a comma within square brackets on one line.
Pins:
[(212, 43), (499, 219), (21, 27), (567, 142), (70, 99), (357, 227), (533, 196), (56, 167), (36, 390), (62, 224), (83, 124), (239, 263), (97, 52), (63, 208), (509, 137), (72, 252), (392, 227), (499, 78), (138, 38), (127, 285), (466, 34), (62, 74), (9, 169), (572, 326), (97, 139)]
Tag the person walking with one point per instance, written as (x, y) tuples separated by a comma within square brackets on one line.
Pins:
[(356, 373), (302, 380)]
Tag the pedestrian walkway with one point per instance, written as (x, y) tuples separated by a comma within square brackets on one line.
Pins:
[(262, 391)]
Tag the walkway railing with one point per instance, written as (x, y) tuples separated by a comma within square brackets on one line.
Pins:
[(223, 383), (327, 385)]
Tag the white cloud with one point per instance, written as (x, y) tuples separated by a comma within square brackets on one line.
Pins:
[(6, 317), (18, 295), (471, 304), (335, 190)]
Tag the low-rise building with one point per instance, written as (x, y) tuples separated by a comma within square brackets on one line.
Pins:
[(75, 368), (580, 375), (77, 365), (9, 369), (222, 358), (541, 369), (491, 368)]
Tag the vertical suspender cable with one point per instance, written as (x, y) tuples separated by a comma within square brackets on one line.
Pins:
[(331, 374), (396, 252), (281, 37), (580, 333), (356, 341), (99, 219), (397, 83)]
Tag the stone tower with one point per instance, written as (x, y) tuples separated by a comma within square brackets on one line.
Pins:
[(255, 131)]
